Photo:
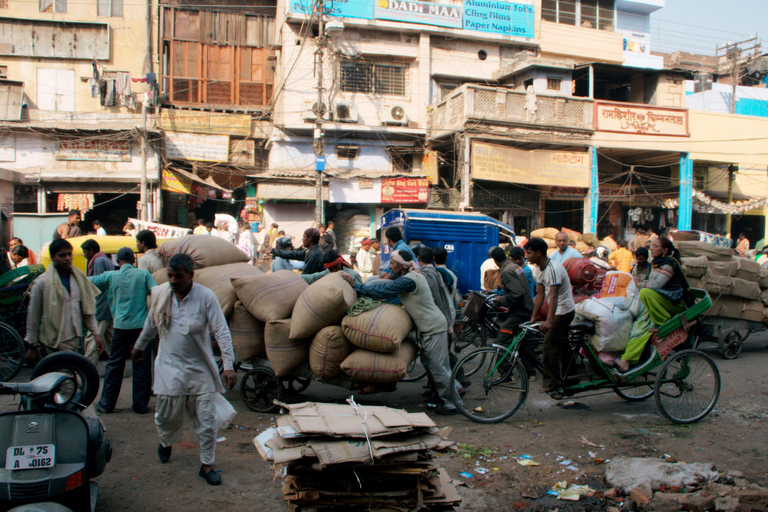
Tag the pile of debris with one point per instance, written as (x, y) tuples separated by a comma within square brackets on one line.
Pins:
[(354, 457)]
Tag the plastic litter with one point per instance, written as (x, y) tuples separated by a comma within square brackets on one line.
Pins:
[(528, 462), (221, 439), (466, 475), (584, 440), (482, 471), (524, 456)]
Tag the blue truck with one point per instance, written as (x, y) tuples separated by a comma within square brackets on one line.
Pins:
[(466, 236)]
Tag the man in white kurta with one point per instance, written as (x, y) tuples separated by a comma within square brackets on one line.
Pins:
[(187, 382)]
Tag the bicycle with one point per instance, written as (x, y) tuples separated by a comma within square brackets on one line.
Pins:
[(686, 385)]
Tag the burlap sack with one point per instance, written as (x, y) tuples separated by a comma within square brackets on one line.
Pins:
[(544, 233), (718, 285), (551, 243), (609, 243), (727, 307), (328, 350), (269, 296), (247, 333), (572, 235), (747, 269), (379, 330), (217, 279), (582, 247), (693, 249), (749, 290), (284, 354), (753, 311), (764, 297), (205, 250), (695, 282), (695, 267), (368, 366), (589, 239), (762, 278), (324, 302), (722, 268), (160, 276)]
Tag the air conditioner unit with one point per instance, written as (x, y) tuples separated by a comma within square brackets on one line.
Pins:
[(308, 113), (392, 114), (345, 113)]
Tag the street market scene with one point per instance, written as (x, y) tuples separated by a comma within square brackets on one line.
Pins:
[(394, 256)]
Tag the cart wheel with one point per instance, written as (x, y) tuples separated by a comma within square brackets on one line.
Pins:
[(295, 385), (730, 345), (635, 392), (687, 387), (259, 388)]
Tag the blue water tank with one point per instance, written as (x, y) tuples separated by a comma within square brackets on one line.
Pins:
[(466, 236)]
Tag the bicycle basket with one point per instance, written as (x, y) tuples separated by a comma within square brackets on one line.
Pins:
[(473, 306)]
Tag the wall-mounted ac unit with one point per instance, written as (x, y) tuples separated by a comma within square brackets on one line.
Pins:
[(345, 113), (392, 114), (308, 113)]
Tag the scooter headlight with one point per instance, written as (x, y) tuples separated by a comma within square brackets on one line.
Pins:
[(64, 391)]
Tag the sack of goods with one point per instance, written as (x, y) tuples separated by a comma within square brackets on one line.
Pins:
[(379, 330), (612, 324), (325, 302), (329, 348), (369, 366), (247, 333), (284, 354), (218, 280), (619, 289), (205, 250), (270, 296)]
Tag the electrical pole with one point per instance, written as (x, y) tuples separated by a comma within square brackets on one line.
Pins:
[(735, 52), (143, 186), (731, 171), (319, 136)]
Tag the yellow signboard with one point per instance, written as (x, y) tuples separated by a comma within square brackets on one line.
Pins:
[(549, 168), (172, 182), (214, 123), (429, 167)]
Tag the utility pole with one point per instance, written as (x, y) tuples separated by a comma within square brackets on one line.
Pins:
[(735, 53), (143, 186), (731, 171), (319, 136)]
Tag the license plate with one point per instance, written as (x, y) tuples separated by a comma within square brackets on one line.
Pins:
[(40, 456)]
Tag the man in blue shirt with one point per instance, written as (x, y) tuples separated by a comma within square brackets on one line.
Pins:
[(395, 241), (517, 255), (127, 290), (564, 251), (98, 263)]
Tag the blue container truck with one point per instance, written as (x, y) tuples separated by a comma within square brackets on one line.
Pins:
[(466, 236)]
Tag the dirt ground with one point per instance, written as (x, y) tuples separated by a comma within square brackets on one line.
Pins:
[(732, 437)]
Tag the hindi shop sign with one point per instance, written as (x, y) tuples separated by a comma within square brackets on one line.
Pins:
[(94, 150), (641, 119), (498, 17), (405, 190), (196, 146), (495, 162), (213, 123), (160, 230)]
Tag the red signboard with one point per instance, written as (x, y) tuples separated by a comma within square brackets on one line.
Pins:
[(405, 190)]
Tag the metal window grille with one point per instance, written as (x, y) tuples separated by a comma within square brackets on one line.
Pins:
[(553, 84), (598, 14), (374, 78)]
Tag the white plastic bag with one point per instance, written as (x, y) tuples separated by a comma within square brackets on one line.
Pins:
[(612, 324)]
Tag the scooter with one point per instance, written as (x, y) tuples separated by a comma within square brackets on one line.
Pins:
[(52, 449)]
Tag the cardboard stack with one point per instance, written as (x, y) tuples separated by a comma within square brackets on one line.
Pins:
[(738, 286), (353, 457)]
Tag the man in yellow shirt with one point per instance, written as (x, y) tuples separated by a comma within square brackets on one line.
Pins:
[(622, 258)]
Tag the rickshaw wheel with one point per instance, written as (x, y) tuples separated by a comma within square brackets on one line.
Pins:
[(730, 345), (259, 388), (687, 387), (635, 393), (295, 385)]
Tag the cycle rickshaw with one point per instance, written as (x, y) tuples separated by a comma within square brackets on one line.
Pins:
[(15, 286)]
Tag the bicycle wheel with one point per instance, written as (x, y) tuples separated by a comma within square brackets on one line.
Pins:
[(467, 338), (415, 371), (495, 392), (11, 352), (636, 393), (687, 387)]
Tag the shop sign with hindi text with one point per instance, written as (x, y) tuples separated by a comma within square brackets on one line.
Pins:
[(641, 119), (405, 190), (94, 150), (495, 162)]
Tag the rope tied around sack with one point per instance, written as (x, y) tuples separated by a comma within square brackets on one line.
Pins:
[(362, 305)]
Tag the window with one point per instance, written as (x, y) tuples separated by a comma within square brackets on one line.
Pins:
[(347, 152), (56, 89), (110, 8), (3, 71), (3, 4), (382, 79), (598, 14), (554, 84), (402, 159), (57, 6)]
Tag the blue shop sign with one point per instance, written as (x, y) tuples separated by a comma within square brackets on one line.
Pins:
[(426, 13), (498, 17), (362, 9)]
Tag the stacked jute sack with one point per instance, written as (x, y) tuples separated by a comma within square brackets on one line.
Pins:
[(217, 263), (584, 242), (738, 286), (299, 322)]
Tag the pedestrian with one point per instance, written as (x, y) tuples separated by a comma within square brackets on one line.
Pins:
[(412, 288), (187, 382), (273, 234), (224, 233), (311, 253), (16, 241), (20, 256), (247, 242), (62, 300), (283, 244), (642, 269), (638, 241), (376, 253), (129, 229), (622, 258), (554, 286), (146, 243), (98, 263), (395, 241), (127, 290), (365, 259), (209, 229), (100, 231), (564, 251), (334, 262), (441, 257), (69, 229), (331, 235), (516, 297), (200, 228), (489, 273), (742, 245)]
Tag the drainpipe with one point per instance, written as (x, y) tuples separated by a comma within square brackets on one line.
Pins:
[(685, 210), (466, 180)]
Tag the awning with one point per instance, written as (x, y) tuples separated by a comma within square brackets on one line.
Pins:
[(208, 182)]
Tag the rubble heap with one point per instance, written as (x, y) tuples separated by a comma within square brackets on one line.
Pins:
[(353, 457)]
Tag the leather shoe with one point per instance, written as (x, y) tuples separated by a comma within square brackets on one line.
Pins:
[(140, 411), (101, 410), (211, 477), (164, 453)]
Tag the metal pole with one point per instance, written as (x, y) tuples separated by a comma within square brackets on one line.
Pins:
[(731, 169), (466, 178), (143, 186), (319, 113), (594, 190)]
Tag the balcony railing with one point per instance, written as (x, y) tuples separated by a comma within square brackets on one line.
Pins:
[(472, 104)]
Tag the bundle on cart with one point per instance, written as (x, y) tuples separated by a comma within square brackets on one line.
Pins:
[(353, 457)]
